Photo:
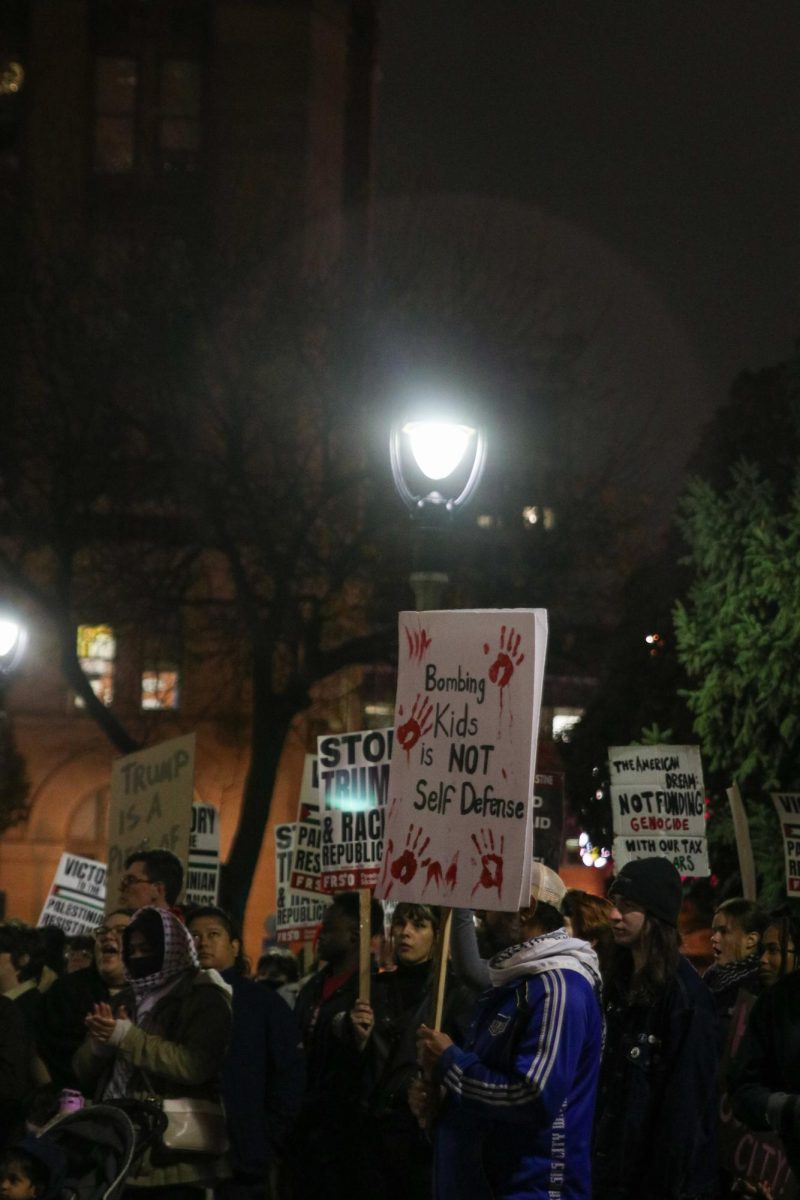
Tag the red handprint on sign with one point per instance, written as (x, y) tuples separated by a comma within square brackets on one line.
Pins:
[(404, 868), (417, 725), (508, 657), (491, 862), (450, 877), (418, 643)]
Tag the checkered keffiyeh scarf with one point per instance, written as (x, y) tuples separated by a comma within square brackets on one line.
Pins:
[(179, 957)]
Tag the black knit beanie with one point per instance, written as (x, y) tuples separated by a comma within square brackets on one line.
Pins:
[(654, 884)]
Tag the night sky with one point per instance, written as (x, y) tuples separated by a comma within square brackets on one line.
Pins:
[(667, 132)]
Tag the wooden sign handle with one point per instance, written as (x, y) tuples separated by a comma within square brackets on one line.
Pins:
[(744, 848), (440, 965), (364, 940)]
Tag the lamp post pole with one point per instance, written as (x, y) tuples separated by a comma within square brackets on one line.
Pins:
[(13, 640)]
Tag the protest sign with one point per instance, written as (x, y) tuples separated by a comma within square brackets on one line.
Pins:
[(297, 915), (787, 806), (548, 818), (354, 786), (459, 827), (658, 806), (757, 1157), (202, 877), (308, 804), (305, 878), (151, 805), (76, 901)]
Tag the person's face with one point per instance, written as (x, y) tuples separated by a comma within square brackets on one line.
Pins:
[(108, 948), (627, 922), (77, 960), (729, 941), (337, 936), (502, 929), (215, 947), (136, 889), (15, 1184), (413, 940), (769, 964), (139, 946)]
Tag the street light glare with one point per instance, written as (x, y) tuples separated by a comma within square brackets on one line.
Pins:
[(438, 448), (10, 634)]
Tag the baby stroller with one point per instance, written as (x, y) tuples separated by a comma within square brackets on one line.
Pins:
[(102, 1143)]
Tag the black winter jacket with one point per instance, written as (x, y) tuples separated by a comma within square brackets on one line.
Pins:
[(655, 1130), (767, 1065)]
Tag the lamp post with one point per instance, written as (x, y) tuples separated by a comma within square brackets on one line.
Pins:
[(437, 462)]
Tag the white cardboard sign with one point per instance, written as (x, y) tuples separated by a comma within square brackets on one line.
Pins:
[(151, 805), (658, 806), (297, 915), (202, 877), (787, 806), (354, 787), (459, 827), (657, 790), (76, 901)]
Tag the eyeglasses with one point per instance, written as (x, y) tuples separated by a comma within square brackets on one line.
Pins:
[(102, 930), (129, 880)]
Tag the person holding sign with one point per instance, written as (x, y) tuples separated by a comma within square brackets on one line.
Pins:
[(394, 1155), (517, 1102), (655, 1134), (323, 1145)]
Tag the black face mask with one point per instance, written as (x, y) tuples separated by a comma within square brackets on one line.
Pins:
[(148, 964)]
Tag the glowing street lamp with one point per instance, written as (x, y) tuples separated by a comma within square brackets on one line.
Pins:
[(437, 464), (13, 640)]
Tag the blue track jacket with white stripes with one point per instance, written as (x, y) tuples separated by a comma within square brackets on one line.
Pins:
[(517, 1118)]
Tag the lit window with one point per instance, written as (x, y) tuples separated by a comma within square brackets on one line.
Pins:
[(161, 687), (97, 650), (564, 721), (116, 82), (179, 131)]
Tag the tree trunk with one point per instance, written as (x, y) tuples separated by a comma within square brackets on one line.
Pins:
[(271, 720)]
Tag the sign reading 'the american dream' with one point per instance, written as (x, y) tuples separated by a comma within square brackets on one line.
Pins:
[(459, 823)]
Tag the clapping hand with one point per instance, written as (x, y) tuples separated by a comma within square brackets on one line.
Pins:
[(101, 1020)]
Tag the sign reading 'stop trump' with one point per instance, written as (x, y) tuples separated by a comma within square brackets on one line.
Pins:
[(459, 822)]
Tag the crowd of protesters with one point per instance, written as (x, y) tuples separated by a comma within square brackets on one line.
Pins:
[(579, 1053)]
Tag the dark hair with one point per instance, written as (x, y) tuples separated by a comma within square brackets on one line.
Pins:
[(162, 866), (241, 964), (417, 914), (786, 921), (149, 923), (81, 942), (32, 1168), (748, 915), (347, 903), (661, 945), (26, 948), (284, 960), (547, 916), (590, 917)]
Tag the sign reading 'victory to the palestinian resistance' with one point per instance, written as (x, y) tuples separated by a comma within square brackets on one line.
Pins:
[(658, 806), (77, 895), (459, 826), (353, 773), (787, 806)]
